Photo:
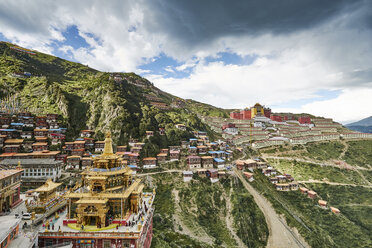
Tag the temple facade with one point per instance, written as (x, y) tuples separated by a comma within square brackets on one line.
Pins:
[(252, 112), (108, 200)]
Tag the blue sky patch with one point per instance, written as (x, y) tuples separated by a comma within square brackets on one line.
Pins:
[(229, 58)]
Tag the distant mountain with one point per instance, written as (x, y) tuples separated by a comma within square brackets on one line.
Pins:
[(364, 122), (364, 125)]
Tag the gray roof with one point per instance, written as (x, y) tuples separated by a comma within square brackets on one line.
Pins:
[(31, 161)]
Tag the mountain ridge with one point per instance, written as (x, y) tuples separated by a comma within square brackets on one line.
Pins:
[(364, 125), (363, 122)]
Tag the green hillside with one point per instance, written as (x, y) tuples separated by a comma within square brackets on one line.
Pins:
[(347, 188), (90, 99), (195, 214)]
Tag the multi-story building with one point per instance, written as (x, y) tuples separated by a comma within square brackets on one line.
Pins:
[(194, 162), (10, 184), (149, 163), (35, 171), (207, 162), (40, 146)]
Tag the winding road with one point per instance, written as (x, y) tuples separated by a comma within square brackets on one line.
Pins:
[(280, 235)]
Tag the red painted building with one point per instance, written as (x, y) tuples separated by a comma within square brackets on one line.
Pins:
[(267, 112), (304, 120), (277, 118), (245, 114), (235, 115)]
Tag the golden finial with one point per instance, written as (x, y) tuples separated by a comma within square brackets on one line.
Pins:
[(19, 167), (107, 150)]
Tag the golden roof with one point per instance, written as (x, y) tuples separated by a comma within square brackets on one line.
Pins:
[(97, 177), (92, 201), (7, 173), (48, 186), (13, 141), (139, 189), (136, 186)]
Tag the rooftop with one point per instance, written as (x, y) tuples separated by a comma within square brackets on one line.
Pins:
[(48, 186), (8, 223), (13, 141), (30, 161), (7, 173)]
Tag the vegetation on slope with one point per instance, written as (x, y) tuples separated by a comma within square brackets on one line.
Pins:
[(354, 152), (359, 153), (247, 215), (354, 202), (302, 171), (206, 109), (324, 150), (320, 227), (203, 211), (164, 233)]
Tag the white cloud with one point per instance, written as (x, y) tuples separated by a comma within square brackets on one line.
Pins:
[(122, 35), (349, 106), (169, 69), (66, 49)]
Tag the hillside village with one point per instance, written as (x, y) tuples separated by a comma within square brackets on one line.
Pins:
[(262, 128), (45, 157)]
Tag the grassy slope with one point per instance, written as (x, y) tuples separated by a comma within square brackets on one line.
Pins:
[(353, 227), (354, 202), (306, 171), (203, 207), (206, 109), (318, 226), (359, 153)]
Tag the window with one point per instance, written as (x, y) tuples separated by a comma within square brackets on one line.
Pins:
[(126, 243), (107, 244)]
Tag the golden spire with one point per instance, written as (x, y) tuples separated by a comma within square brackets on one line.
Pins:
[(19, 166), (107, 150)]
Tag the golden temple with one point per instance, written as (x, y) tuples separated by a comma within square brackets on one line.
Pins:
[(107, 192), (48, 198)]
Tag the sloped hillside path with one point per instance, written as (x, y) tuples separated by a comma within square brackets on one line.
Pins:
[(334, 183), (280, 235), (229, 221), (315, 162), (199, 234)]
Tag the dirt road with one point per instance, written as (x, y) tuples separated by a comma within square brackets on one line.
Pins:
[(334, 183), (317, 162), (280, 235)]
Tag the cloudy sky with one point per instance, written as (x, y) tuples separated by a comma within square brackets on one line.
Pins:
[(310, 56)]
